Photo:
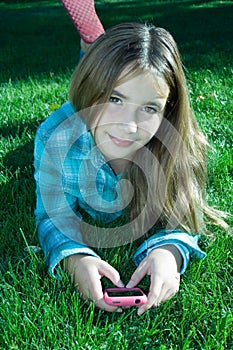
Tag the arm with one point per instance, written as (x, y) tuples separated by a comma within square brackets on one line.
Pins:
[(163, 257), (86, 273), (58, 219), (52, 204), (185, 243), (163, 266)]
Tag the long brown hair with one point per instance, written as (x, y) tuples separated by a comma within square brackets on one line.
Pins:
[(172, 193)]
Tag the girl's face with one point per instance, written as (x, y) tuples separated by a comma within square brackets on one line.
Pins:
[(131, 118)]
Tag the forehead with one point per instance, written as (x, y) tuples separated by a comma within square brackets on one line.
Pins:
[(144, 85)]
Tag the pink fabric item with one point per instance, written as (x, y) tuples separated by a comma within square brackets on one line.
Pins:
[(85, 19)]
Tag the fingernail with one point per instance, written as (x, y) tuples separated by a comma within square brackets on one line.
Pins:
[(130, 285), (119, 310), (140, 311), (120, 284)]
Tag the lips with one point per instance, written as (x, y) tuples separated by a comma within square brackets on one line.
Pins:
[(121, 142)]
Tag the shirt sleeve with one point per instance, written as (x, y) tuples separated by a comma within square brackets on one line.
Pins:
[(57, 216), (56, 246), (184, 242)]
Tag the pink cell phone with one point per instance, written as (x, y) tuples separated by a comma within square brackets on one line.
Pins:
[(124, 296)]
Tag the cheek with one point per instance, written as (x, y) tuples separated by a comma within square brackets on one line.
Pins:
[(98, 130), (110, 113), (99, 135), (149, 128)]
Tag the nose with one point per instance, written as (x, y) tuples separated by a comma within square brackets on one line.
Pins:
[(129, 120), (128, 127)]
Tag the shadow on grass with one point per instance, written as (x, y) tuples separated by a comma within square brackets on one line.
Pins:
[(38, 37), (17, 195)]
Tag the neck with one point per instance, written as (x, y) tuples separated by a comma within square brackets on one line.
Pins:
[(118, 165)]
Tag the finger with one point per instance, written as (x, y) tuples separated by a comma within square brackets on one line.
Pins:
[(137, 276), (168, 295), (111, 273), (100, 303), (171, 292), (104, 306), (96, 295), (94, 288), (90, 286), (153, 295)]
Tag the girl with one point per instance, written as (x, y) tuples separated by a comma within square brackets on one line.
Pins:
[(126, 146)]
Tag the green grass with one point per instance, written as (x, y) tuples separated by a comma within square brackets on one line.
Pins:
[(39, 50)]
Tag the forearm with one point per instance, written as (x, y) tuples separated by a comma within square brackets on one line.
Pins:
[(186, 244), (57, 246)]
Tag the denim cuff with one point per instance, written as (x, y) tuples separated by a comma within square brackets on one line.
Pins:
[(62, 252), (185, 243)]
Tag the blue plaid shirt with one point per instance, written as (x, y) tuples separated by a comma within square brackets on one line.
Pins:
[(73, 176)]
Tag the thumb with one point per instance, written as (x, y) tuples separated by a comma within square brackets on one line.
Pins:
[(137, 276), (112, 274)]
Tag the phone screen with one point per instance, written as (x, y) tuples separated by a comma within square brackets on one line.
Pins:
[(130, 293)]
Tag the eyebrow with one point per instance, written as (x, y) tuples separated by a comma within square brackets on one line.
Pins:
[(150, 103), (115, 92)]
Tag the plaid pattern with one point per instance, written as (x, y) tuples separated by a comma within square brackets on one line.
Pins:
[(85, 19), (71, 176)]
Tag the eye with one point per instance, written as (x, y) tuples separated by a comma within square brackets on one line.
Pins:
[(150, 110), (115, 99)]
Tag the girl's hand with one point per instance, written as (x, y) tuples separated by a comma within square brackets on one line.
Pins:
[(163, 265), (86, 272)]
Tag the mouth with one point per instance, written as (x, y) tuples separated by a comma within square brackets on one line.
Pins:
[(120, 142)]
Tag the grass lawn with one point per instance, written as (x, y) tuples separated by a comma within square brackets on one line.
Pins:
[(39, 48)]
